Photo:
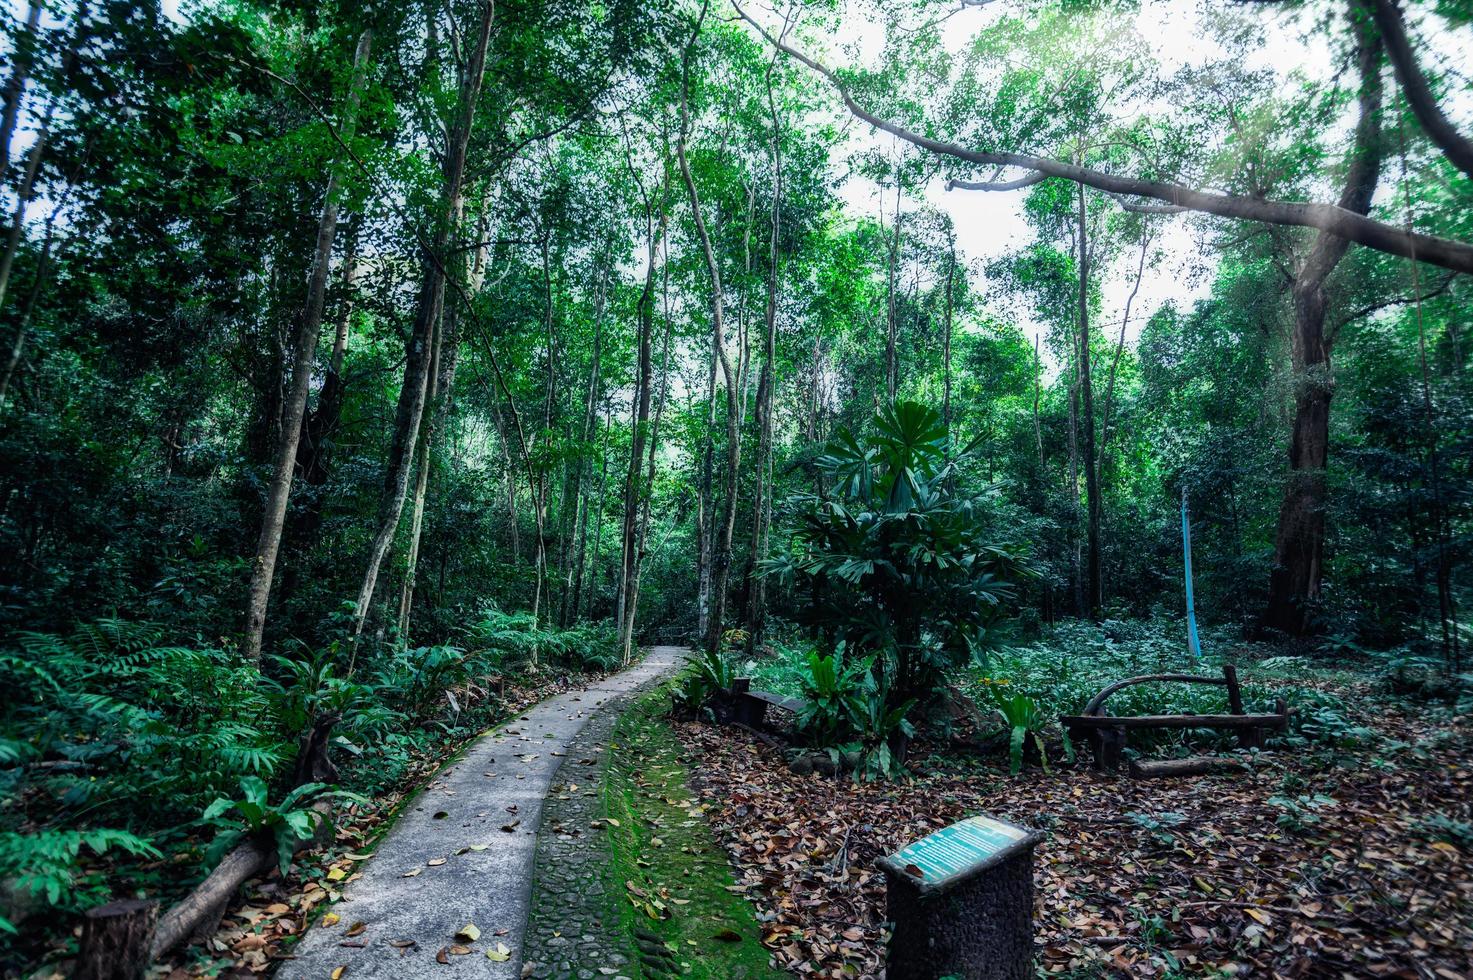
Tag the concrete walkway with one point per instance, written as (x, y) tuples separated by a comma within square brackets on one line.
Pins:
[(463, 853)]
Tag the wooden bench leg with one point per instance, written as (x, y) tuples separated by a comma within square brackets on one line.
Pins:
[(1111, 746), (1250, 738)]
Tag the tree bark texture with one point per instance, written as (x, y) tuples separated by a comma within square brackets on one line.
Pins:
[(1299, 542), (415, 389), (309, 325)]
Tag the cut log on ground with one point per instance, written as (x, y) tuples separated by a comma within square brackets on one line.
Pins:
[(208, 901), (115, 940), (199, 912), (1197, 765)]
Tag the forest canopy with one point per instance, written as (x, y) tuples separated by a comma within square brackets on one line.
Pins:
[(342, 341)]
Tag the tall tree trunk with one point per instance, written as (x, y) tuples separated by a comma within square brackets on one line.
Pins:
[(321, 424), (23, 54), (38, 285), (443, 362), (766, 388), (1086, 389), (577, 490), (892, 326), (639, 427), (309, 325), (705, 508), (946, 334), (654, 448), (721, 551), (1299, 543), (431, 299)]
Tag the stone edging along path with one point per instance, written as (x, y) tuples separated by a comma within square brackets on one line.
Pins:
[(463, 855)]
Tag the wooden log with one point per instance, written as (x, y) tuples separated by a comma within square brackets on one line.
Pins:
[(115, 940), (1197, 765), (1177, 721), (210, 898)]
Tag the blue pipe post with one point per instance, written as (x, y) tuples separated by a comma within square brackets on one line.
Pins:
[(1193, 643)]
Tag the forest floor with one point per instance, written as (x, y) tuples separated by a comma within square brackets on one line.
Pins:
[(1321, 862)]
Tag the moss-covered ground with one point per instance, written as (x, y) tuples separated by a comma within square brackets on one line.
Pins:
[(667, 880)]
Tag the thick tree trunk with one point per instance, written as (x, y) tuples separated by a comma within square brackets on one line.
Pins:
[(115, 940), (431, 300), (1299, 543), (309, 324)]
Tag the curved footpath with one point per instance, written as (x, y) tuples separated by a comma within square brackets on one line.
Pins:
[(463, 853)]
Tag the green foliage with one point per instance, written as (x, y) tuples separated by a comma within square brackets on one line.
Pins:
[(848, 712), (705, 678), (286, 823), (45, 863), (903, 565), (1024, 722), (1300, 813)]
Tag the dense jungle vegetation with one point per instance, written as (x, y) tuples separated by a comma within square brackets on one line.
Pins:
[(375, 368)]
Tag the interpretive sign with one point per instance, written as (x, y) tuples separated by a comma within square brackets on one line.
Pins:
[(961, 903), (955, 850)]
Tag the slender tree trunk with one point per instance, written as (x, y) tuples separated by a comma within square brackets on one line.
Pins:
[(431, 299), (579, 526), (654, 448), (705, 508), (766, 389), (721, 551), (639, 429), (1299, 543), (892, 327), (443, 362), (22, 56), (1086, 388), (1140, 271), (309, 325), (18, 345), (946, 335)]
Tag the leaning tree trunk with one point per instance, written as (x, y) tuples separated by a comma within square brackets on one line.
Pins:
[(22, 55), (1299, 543), (263, 569), (431, 300)]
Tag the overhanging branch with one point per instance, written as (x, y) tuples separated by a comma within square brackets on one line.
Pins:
[(1378, 235)]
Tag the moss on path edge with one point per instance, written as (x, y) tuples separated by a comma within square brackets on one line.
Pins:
[(629, 880)]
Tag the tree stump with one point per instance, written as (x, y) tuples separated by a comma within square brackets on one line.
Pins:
[(117, 940)]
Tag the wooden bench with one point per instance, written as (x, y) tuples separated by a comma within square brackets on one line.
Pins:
[(1106, 734), (749, 707)]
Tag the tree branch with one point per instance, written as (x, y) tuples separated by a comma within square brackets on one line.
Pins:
[(1378, 235), (1458, 148)]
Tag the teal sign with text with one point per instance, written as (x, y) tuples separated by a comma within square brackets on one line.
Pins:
[(957, 849)]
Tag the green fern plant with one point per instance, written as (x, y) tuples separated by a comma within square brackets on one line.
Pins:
[(287, 823)]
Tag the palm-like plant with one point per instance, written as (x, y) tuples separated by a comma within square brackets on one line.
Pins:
[(900, 560)]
